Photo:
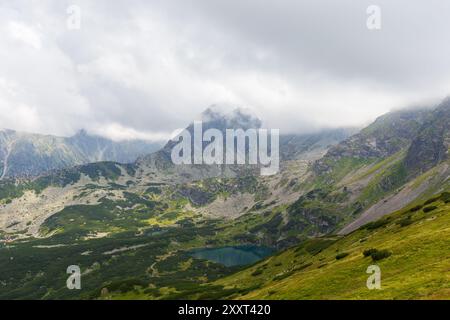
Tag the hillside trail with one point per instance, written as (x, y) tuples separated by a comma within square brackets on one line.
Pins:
[(153, 269)]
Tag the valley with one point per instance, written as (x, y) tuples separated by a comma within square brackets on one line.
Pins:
[(133, 228)]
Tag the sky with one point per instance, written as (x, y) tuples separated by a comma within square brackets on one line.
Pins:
[(143, 69)]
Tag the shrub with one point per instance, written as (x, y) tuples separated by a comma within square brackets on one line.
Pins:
[(282, 276), (303, 266), (278, 264), (416, 208), (316, 246), (429, 208), (429, 201), (446, 197), (342, 255), (405, 222), (154, 190), (380, 255), (376, 254), (257, 273), (376, 224), (126, 285), (369, 252)]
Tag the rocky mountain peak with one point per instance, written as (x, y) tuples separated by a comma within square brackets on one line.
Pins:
[(226, 118)]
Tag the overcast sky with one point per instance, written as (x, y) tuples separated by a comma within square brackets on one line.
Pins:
[(146, 68)]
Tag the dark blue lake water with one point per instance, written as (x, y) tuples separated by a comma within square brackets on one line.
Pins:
[(233, 256)]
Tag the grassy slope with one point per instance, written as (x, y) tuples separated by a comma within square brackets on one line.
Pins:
[(417, 269)]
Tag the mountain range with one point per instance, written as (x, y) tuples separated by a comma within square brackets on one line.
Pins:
[(342, 200), (29, 155)]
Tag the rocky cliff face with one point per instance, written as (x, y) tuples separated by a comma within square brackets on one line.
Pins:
[(294, 146), (389, 134), (432, 143)]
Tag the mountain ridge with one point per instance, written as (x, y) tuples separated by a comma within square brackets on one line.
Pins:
[(26, 154)]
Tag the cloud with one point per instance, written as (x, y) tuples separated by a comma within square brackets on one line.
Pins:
[(143, 69), (25, 34), (117, 132)]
